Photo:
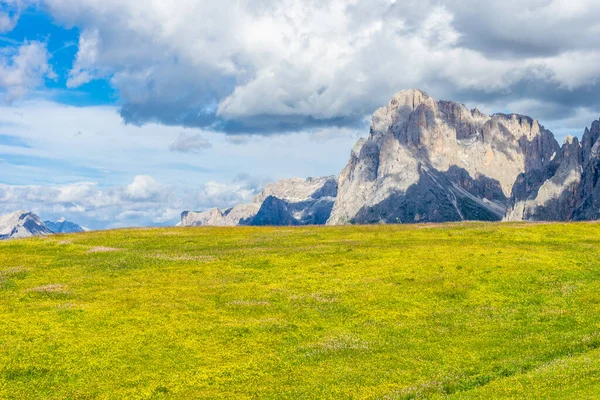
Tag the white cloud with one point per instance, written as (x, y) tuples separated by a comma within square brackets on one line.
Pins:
[(142, 202), (145, 187), (24, 69), (235, 193), (9, 14), (84, 69), (276, 65), (72, 144)]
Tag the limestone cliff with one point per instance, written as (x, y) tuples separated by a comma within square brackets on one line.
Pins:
[(430, 161), (286, 202)]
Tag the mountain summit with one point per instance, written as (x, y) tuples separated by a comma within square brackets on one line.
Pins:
[(567, 189), (286, 202), (435, 161), (21, 224)]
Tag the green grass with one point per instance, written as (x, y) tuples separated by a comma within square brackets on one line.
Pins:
[(455, 311)]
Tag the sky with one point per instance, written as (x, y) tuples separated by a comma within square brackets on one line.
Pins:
[(125, 113)]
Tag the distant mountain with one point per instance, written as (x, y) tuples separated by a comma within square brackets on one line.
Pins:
[(22, 224), (64, 226), (286, 202)]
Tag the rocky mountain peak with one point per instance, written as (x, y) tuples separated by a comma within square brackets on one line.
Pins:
[(569, 140), (571, 148), (292, 201), (21, 224), (64, 226), (408, 100), (394, 116), (589, 141), (465, 153), (478, 114), (297, 189)]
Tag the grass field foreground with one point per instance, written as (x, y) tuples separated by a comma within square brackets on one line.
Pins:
[(465, 311)]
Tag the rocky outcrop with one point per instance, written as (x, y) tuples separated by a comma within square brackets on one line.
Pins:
[(239, 215), (21, 224), (568, 189), (274, 211), (550, 193), (429, 161), (588, 194), (297, 190), (64, 226), (286, 202)]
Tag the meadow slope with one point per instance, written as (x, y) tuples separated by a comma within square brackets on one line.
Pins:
[(457, 311)]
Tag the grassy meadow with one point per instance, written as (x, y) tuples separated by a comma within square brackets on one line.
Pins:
[(457, 311)]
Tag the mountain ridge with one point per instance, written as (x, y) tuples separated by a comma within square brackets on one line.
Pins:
[(64, 226), (437, 161), (292, 201), (21, 224)]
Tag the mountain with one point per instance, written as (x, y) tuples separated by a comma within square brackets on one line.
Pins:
[(550, 193), (286, 202), (587, 206), (21, 224), (64, 226), (568, 190), (437, 161)]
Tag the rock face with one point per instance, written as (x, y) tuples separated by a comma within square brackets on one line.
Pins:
[(239, 215), (587, 206), (286, 202), (550, 193), (21, 224), (568, 190), (64, 226), (430, 161)]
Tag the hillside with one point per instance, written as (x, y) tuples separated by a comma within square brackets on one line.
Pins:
[(473, 310)]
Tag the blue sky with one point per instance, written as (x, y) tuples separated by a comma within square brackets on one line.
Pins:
[(62, 45), (120, 112)]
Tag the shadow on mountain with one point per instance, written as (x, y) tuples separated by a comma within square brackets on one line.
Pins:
[(560, 209), (440, 197), (528, 184), (588, 206), (330, 189), (278, 212)]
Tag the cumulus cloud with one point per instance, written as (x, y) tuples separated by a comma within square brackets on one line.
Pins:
[(23, 69), (142, 202), (84, 69), (10, 11), (285, 65), (528, 28), (190, 143), (144, 188)]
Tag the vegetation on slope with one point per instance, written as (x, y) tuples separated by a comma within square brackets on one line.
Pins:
[(390, 312)]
